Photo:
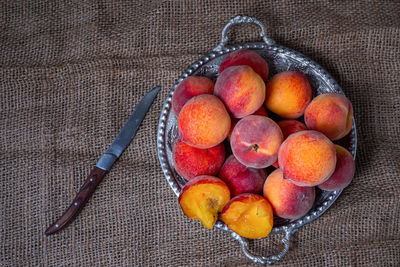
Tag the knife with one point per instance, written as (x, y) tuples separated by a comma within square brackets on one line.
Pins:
[(104, 164)]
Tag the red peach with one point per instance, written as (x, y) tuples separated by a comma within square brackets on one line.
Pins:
[(344, 171), (288, 200), (289, 127), (234, 121), (188, 88), (330, 114), (246, 57), (255, 141), (190, 161), (276, 164), (241, 89), (261, 111), (240, 178)]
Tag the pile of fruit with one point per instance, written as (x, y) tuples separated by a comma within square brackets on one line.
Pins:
[(231, 115)]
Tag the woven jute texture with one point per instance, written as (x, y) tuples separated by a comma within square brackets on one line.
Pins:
[(72, 72)]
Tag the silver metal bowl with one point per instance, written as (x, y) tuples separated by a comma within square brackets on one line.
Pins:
[(279, 59)]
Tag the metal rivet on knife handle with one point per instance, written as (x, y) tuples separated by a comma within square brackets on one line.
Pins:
[(87, 189)]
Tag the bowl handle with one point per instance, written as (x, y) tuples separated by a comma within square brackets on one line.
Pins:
[(238, 20), (244, 244)]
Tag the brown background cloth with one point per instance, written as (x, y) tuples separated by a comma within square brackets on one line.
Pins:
[(71, 73)]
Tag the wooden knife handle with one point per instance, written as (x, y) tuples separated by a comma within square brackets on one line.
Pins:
[(87, 189)]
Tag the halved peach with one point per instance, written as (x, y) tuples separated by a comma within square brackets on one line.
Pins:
[(203, 197), (249, 215)]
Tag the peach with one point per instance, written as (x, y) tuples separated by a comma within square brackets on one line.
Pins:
[(330, 114), (248, 215), (234, 121), (241, 89), (307, 158), (203, 197), (203, 121), (291, 126), (276, 164), (261, 111), (246, 57), (188, 88), (255, 141), (240, 178), (191, 161), (288, 94), (288, 127), (344, 171), (288, 200)]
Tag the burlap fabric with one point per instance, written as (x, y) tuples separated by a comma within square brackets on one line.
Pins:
[(71, 73)]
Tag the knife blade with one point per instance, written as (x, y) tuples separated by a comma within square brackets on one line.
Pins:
[(114, 151)]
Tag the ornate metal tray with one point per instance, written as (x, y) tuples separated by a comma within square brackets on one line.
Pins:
[(279, 59)]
